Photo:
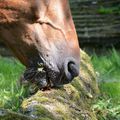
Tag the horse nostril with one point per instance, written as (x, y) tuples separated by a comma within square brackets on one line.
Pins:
[(71, 70)]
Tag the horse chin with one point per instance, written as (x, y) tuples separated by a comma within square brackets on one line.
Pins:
[(57, 79), (45, 77)]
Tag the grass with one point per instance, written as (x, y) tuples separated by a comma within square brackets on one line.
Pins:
[(108, 67), (10, 93), (109, 10), (107, 107)]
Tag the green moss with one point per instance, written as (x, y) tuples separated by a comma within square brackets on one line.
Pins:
[(73, 93), (62, 110), (39, 97), (8, 115), (42, 112), (44, 118)]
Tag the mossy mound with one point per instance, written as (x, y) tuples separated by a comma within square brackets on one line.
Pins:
[(70, 102)]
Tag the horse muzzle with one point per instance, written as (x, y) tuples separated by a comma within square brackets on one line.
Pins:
[(66, 73), (45, 76)]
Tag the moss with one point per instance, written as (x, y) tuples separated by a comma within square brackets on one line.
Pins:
[(42, 112), (88, 75), (39, 97), (70, 102), (77, 84), (44, 118), (63, 110), (72, 92), (8, 115)]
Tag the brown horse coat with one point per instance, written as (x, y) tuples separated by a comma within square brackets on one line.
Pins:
[(41, 31)]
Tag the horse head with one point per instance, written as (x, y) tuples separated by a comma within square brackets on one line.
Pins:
[(45, 34)]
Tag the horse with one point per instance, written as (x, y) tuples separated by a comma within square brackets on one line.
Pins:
[(41, 32)]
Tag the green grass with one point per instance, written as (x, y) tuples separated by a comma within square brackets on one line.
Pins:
[(107, 107), (109, 10), (108, 66), (10, 93)]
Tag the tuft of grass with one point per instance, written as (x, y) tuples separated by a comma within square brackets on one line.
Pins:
[(11, 94), (107, 107), (108, 66)]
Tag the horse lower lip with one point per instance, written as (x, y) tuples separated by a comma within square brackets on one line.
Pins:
[(44, 77)]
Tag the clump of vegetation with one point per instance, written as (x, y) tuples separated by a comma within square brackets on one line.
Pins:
[(109, 10), (11, 94), (107, 107), (108, 66)]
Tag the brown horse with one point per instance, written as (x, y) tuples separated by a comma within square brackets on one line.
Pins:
[(42, 31)]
